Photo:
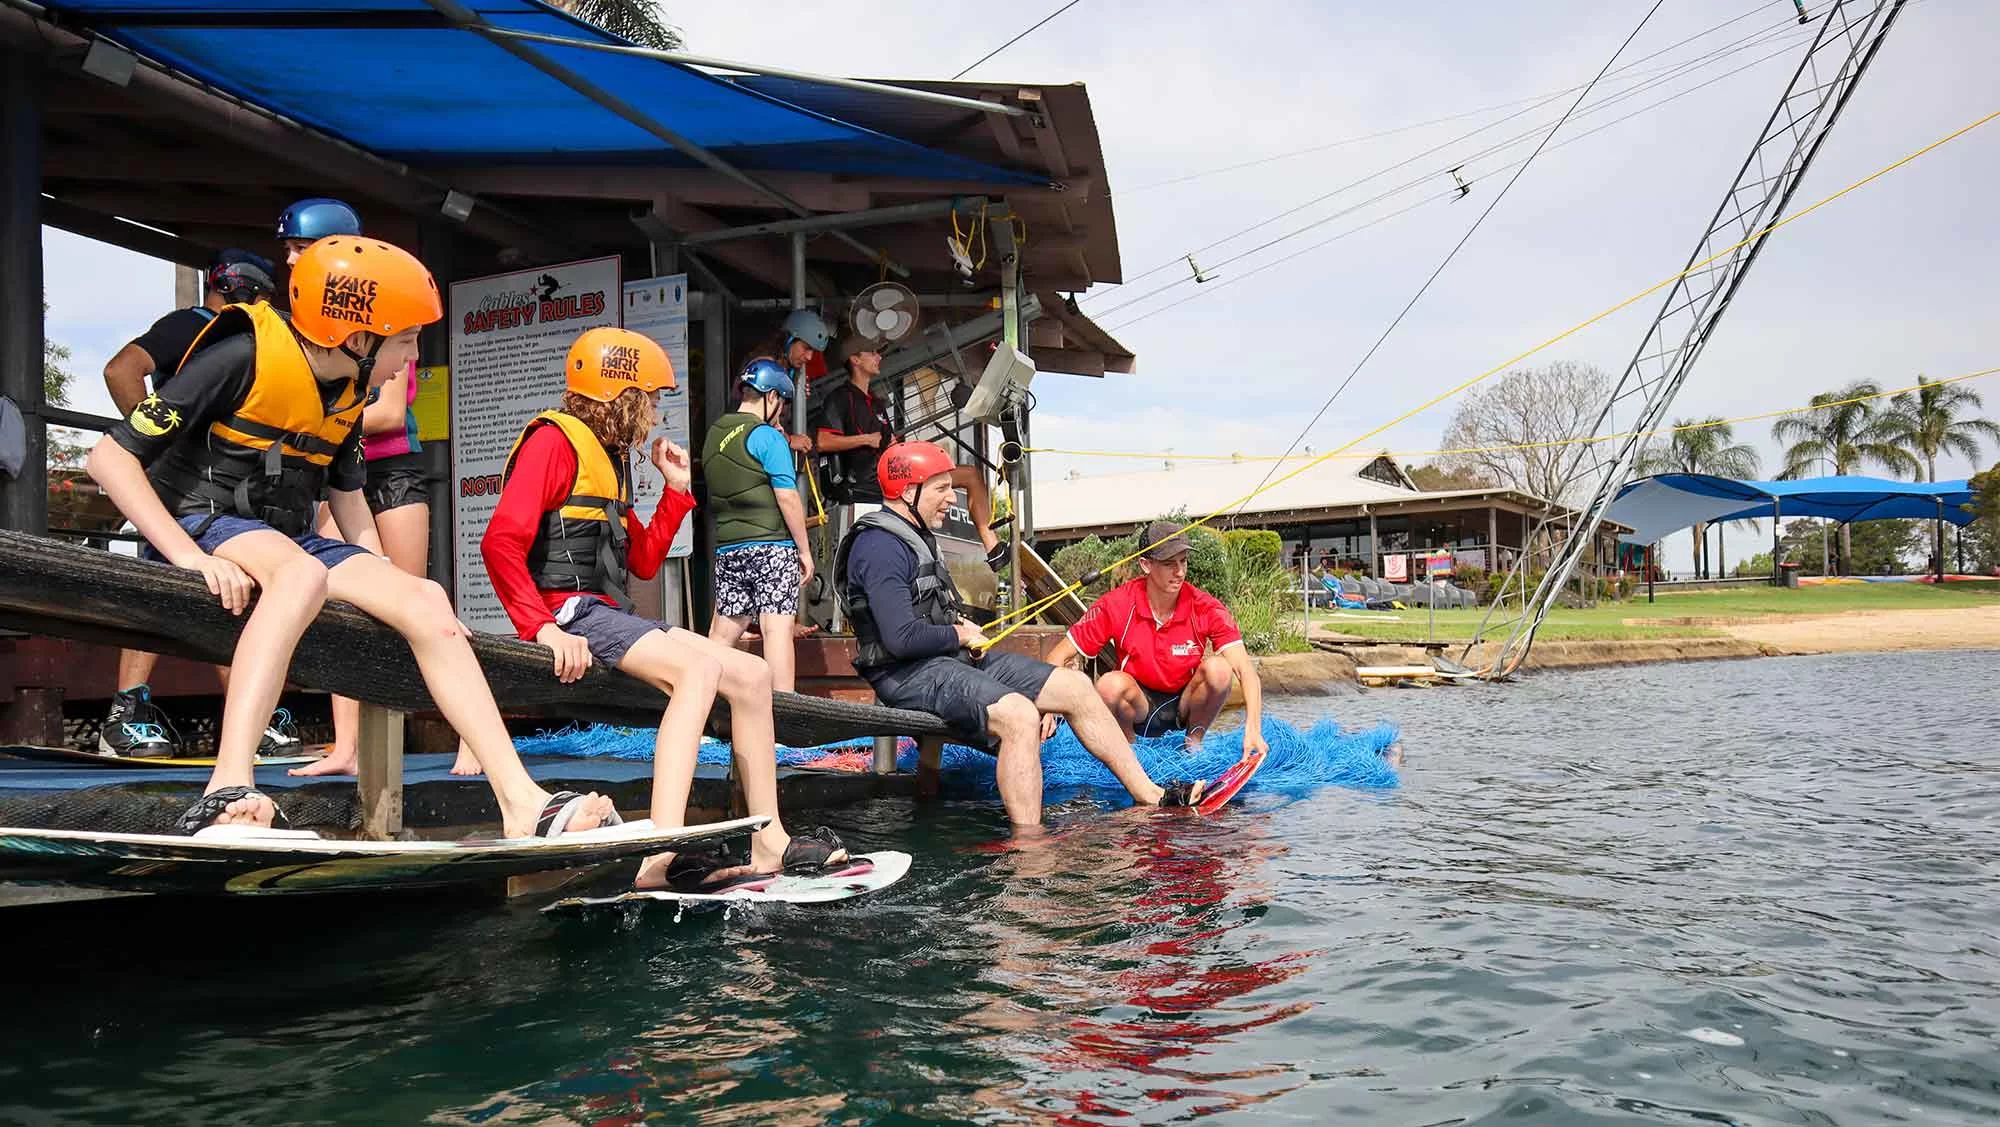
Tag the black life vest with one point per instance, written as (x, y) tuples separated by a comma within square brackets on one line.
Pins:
[(581, 545), (933, 594)]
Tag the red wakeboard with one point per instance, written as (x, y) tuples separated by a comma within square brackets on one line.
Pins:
[(1223, 787)]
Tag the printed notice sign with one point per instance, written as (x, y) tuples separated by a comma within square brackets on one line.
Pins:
[(509, 335), (657, 308)]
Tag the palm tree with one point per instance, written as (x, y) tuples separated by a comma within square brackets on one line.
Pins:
[(1841, 430), (641, 21), (1705, 446), (1929, 421)]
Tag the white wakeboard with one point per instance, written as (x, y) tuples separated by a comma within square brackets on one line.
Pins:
[(888, 867), (251, 860)]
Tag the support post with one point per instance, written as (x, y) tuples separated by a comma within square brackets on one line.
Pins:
[(1940, 539), (1374, 549), (187, 286), (24, 499), (380, 771), (1002, 231), (1652, 567), (798, 302), (1777, 541), (885, 755), (930, 765)]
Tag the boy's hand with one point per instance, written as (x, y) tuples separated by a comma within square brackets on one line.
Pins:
[(225, 581), (572, 652)]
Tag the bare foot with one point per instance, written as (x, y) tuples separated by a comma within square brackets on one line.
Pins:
[(252, 810), (334, 762), (466, 763), (652, 874), (595, 810)]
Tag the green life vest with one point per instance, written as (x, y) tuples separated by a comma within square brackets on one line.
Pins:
[(739, 491)]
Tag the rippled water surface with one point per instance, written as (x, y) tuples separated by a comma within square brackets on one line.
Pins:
[(1759, 892)]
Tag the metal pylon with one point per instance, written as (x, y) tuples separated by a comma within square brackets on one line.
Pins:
[(1850, 33)]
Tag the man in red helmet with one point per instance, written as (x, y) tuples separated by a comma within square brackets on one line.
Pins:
[(917, 650)]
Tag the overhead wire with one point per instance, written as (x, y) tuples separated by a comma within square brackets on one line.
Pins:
[(1418, 181), (1434, 197), (1032, 28), (1452, 254), (1021, 615), (1749, 43), (1538, 99)]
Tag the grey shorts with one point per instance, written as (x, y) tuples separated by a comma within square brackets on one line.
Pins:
[(610, 631), (959, 692), (757, 579)]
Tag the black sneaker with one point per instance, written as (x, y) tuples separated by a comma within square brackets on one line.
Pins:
[(281, 737), (135, 728)]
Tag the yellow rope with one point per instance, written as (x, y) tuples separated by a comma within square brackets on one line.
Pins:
[(1584, 440), (1026, 614)]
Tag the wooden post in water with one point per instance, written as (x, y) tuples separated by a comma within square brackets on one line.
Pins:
[(885, 755), (380, 771), (930, 765)]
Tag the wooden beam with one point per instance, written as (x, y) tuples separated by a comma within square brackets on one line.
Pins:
[(1075, 361), (766, 260), (380, 773), (98, 163), (698, 187)]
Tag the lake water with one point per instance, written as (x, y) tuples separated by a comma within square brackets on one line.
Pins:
[(1750, 893)]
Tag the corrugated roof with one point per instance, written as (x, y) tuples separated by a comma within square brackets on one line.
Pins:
[(399, 79)]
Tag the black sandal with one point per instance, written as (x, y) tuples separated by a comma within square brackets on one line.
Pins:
[(816, 852), (210, 806), (1180, 792)]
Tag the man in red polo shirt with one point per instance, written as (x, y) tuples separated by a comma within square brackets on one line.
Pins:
[(1176, 649)]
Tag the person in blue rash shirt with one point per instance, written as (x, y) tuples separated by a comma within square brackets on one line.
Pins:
[(913, 645)]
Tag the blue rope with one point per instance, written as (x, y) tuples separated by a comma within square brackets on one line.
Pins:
[(1299, 761)]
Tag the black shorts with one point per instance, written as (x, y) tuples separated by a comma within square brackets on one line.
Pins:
[(1163, 713), (959, 692), (396, 481)]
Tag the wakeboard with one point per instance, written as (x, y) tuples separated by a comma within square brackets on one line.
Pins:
[(252, 861), (1225, 786), (885, 868), (77, 757)]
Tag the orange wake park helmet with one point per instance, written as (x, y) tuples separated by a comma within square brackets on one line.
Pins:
[(605, 361), (910, 463), (347, 283)]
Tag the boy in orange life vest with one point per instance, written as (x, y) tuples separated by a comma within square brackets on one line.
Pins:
[(221, 469), (559, 547)]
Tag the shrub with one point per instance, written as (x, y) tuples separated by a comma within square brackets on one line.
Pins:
[(1253, 551)]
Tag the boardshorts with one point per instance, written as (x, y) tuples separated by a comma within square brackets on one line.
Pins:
[(1163, 713), (225, 527), (610, 631), (756, 579), (958, 691)]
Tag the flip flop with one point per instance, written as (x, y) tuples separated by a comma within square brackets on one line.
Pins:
[(210, 806), (561, 809)]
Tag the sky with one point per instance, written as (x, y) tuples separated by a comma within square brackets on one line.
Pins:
[(1889, 282)]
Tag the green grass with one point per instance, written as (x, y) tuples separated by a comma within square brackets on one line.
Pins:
[(1608, 621)]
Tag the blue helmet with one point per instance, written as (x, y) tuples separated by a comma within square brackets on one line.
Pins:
[(765, 374), (805, 325), (315, 219)]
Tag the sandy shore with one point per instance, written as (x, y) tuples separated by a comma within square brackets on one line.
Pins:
[(1971, 628)]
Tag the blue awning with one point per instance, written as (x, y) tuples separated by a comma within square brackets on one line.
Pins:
[(395, 77), (1652, 507)]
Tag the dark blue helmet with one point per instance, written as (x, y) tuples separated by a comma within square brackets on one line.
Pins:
[(766, 374), (315, 219), (240, 276)]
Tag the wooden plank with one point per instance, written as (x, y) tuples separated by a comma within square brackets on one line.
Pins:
[(930, 766), (49, 587)]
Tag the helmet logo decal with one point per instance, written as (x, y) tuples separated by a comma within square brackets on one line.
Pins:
[(620, 362), (348, 298)]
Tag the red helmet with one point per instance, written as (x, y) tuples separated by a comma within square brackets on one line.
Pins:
[(910, 463)]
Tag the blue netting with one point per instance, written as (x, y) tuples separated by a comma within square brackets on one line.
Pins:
[(1299, 761)]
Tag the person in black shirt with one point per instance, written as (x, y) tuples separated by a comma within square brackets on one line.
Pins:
[(234, 277), (855, 431), (134, 726)]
